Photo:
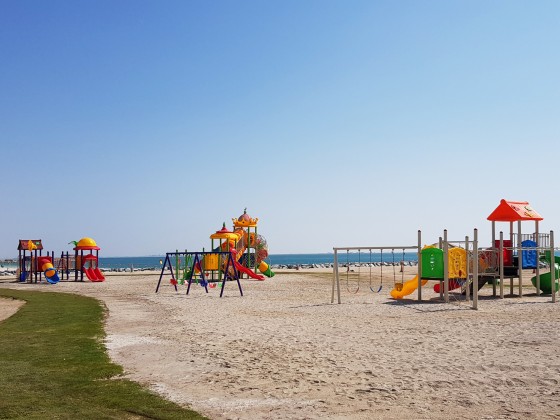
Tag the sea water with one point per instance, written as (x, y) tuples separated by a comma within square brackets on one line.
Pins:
[(273, 259), (157, 261), (363, 257)]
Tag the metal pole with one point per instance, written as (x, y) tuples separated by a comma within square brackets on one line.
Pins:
[(248, 247), (219, 259), (440, 246), (177, 268), (194, 264), (511, 232), (357, 248), (338, 284), (512, 245), (467, 289), (36, 262), (501, 259), (21, 264), (335, 277), (335, 268), (494, 273), (519, 258), (469, 259), (552, 268), (161, 274), (475, 269), (419, 253), (445, 268), (255, 251), (537, 268)]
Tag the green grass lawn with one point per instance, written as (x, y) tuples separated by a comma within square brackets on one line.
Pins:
[(53, 365)]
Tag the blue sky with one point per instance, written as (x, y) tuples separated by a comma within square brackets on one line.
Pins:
[(146, 124)]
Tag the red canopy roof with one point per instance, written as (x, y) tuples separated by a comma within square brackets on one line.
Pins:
[(513, 211)]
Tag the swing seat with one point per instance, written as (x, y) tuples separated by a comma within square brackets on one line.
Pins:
[(398, 287), (376, 291)]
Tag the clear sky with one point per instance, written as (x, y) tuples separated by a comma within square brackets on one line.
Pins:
[(146, 124)]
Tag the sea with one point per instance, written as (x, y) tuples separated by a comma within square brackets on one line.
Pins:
[(274, 260)]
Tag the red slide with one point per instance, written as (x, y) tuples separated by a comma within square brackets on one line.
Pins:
[(453, 284), (248, 271), (91, 274), (99, 274)]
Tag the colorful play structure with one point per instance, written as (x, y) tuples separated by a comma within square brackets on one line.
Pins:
[(462, 264), (234, 254), (36, 264), (88, 263), (32, 265)]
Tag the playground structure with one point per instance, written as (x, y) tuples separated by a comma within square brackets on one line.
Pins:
[(233, 254), (32, 266), (197, 259), (462, 264), (249, 248), (87, 264)]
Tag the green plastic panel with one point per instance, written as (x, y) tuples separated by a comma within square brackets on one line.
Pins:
[(432, 263)]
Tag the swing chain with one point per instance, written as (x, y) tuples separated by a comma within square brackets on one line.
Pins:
[(348, 274), (402, 267), (370, 276), (370, 267), (398, 285), (382, 264)]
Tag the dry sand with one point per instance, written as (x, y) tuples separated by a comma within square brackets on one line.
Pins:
[(8, 307), (283, 351)]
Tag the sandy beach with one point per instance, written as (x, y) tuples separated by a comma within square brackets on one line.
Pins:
[(283, 351), (8, 307)]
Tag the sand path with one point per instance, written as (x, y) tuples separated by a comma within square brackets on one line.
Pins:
[(8, 307), (282, 351)]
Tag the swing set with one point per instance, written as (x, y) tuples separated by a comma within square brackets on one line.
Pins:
[(195, 271), (397, 283)]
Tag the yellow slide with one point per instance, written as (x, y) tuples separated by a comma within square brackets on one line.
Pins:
[(407, 288)]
